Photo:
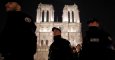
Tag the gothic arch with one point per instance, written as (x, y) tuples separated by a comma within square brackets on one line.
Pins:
[(73, 16), (43, 16), (42, 42), (47, 42), (68, 16), (47, 17)]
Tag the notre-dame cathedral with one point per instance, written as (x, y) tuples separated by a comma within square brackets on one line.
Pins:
[(70, 27)]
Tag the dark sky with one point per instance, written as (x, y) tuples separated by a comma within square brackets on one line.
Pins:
[(101, 9)]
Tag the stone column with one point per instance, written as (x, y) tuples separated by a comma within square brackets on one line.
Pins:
[(40, 15), (50, 15)]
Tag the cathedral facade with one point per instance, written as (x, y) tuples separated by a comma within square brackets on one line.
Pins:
[(70, 27)]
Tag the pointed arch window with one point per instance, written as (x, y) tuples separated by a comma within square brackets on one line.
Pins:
[(47, 19), (43, 16), (42, 42), (47, 42), (68, 16), (72, 16)]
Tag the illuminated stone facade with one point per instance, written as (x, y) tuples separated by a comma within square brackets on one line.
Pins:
[(70, 26)]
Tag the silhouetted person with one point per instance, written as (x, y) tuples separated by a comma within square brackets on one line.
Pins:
[(60, 49), (18, 36), (76, 52), (95, 43)]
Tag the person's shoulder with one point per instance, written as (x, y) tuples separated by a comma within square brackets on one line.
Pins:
[(27, 17), (104, 32), (66, 41), (25, 14)]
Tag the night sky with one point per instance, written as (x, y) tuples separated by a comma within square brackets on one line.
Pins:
[(101, 9)]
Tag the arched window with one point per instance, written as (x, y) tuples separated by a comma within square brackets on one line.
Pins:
[(72, 16), (43, 16), (47, 19), (47, 42), (42, 42), (68, 16)]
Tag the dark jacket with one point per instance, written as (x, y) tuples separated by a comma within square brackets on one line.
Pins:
[(18, 35), (75, 56), (60, 49), (95, 43)]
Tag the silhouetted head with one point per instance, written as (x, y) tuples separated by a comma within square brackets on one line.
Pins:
[(74, 49), (56, 31), (93, 23), (78, 47), (13, 5)]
